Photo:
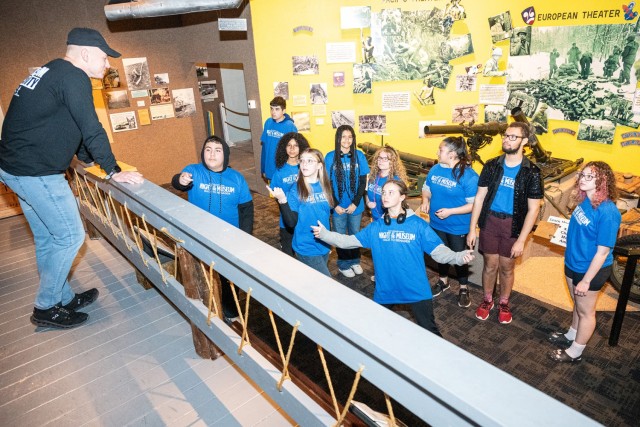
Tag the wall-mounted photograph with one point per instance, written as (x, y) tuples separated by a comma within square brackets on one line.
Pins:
[(121, 122), (117, 99), (137, 72)]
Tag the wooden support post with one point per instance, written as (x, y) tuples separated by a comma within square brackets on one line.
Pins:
[(92, 231), (195, 287)]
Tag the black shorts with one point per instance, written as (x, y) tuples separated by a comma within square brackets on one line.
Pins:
[(596, 283)]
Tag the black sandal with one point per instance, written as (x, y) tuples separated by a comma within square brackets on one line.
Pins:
[(558, 338), (561, 356)]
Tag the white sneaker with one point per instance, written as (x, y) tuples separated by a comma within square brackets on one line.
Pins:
[(357, 268), (348, 273)]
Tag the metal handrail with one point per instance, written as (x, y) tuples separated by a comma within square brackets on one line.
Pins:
[(437, 381)]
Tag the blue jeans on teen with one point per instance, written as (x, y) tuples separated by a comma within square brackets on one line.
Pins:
[(52, 212), (317, 262), (347, 224)]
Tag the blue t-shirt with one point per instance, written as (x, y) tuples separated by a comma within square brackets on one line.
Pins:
[(503, 202), (588, 229), (271, 134), (398, 259), (362, 168), (285, 178), (446, 192), (218, 193), (374, 193), (315, 208)]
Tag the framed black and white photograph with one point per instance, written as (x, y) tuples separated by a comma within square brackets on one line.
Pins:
[(373, 123), (121, 122), (466, 83), (137, 73), (362, 78), (600, 131), (500, 27), (117, 99), (281, 89), (202, 70), (161, 79), (111, 78), (305, 65), (526, 102), (302, 120), (343, 117), (184, 103), (495, 113), (521, 41), (318, 93), (464, 114), (208, 90), (160, 95)]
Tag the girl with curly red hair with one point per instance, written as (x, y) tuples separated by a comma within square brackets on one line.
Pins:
[(592, 233)]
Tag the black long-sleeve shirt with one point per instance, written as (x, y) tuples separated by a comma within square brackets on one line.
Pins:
[(51, 115)]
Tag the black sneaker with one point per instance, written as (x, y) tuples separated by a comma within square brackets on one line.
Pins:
[(58, 317), (463, 298), (82, 300), (439, 288)]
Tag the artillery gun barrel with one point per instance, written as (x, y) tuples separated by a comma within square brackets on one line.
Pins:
[(490, 128), (538, 152)]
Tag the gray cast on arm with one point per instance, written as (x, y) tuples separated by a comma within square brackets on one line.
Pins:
[(338, 240), (444, 255)]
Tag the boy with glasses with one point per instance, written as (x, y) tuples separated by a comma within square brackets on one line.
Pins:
[(505, 208)]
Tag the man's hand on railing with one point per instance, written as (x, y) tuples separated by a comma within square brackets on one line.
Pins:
[(130, 177)]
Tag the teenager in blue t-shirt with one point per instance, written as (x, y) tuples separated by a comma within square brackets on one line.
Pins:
[(448, 194), (385, 164), (348, 171), (307, 203), (274, 128), (286, 175), (213, 186), (592, 234), (398, 242)]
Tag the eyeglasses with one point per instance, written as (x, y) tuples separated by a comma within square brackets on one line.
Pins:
[(511, 137), (383, 159), (306, 161), (587, 177)]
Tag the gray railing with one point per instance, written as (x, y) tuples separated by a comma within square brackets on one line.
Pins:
[(437, 381)]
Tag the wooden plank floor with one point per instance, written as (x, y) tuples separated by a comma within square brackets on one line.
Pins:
[(132, 364)]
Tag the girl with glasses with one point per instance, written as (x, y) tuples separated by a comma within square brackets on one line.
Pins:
[(385, 164), (307, 203), (348, 171), (448, 193), (398, 242), (592, 233), (286, 175)]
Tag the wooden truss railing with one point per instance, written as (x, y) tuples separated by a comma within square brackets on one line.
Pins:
[(437, 381)]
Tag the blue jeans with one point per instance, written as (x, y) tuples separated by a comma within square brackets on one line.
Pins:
[(52, 212), (317, 262), (347, 224)]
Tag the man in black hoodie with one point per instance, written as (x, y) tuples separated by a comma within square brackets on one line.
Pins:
[(222, 191)]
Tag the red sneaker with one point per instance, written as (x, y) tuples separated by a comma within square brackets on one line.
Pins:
[(504, 314), (482, 312)]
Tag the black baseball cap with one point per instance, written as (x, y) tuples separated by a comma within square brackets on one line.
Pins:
[(90, 37)]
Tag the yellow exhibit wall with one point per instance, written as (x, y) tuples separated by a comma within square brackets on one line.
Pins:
[(283, 29)]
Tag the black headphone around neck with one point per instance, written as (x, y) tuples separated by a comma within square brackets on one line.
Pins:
[(348, 155), (400, 219)]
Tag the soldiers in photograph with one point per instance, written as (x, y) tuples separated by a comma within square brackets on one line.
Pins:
[(628, 58), (491, 66), (553, 66), (539, 121), (612, 63), (574, 55), (521, 45), (585, 65)]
